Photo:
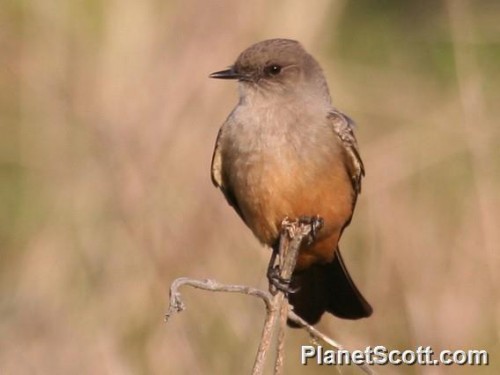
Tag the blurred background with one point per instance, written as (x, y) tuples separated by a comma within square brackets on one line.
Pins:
[(108, 122)]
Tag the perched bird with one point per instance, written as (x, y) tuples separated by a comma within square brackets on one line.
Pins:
[(285, 151)]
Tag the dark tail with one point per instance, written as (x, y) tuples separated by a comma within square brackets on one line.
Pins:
[(327, 287)]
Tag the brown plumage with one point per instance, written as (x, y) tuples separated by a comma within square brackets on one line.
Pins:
[(285, 151)]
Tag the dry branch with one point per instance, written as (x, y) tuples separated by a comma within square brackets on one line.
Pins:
[(292, 235)]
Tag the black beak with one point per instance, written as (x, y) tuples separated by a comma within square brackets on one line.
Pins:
[(226, 74)]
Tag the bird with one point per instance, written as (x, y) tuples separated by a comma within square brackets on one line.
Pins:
[(285, 151)]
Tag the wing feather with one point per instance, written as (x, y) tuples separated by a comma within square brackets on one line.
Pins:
[(218, 178), (344, 128)]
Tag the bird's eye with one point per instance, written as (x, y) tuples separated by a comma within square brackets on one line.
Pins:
[(273, 69)]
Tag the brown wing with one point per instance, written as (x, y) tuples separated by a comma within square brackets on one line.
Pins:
[(343, 127), (217, 175), (216, 168)]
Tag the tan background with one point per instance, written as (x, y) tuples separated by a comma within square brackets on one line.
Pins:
[(107, 128)]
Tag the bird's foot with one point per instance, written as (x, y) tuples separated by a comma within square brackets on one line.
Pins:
[(278, 283), (316, 223)]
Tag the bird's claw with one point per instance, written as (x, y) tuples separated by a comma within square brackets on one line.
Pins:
[(316, 223), (278, 283)]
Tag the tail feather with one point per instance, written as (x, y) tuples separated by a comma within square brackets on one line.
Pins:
[(327, 287)]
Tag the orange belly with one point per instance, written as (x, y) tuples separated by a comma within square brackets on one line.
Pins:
[(268, 192)]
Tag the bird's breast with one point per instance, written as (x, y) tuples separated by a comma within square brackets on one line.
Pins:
[(277, 168)]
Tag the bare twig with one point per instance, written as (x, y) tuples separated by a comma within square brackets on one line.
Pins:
[(313, 331), (292, 234), (176, 304), (321, 336), (280, 350), (290, 240)]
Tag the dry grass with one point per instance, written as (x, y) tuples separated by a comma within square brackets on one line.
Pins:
[(108, 122)]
